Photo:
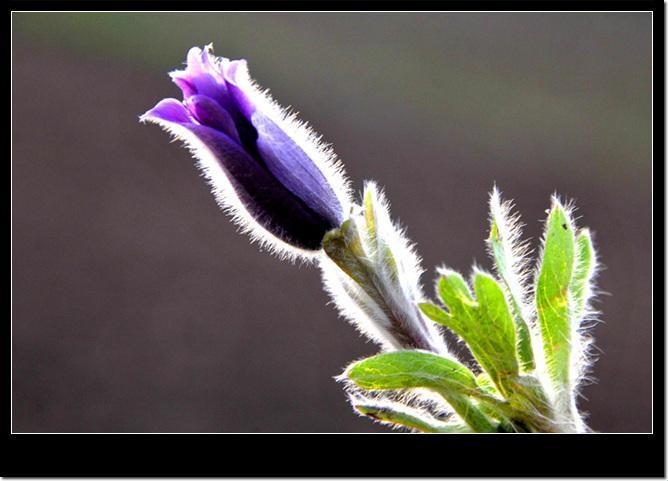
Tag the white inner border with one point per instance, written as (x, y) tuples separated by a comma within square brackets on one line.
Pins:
[(11, 401)]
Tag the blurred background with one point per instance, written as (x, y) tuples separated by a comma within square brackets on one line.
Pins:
[(138, 308)]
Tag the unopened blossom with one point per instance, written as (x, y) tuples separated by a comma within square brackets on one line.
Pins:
[(265, 167)]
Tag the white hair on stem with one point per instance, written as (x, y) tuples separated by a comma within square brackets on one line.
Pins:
[(394, 271), (356, 306), (391, 235), (399, 283)]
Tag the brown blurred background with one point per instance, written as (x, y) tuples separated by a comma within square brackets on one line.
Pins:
[(136, 306)]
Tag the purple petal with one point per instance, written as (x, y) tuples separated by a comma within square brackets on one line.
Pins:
[(264, 197), (201, 76), (294, 169), (232, 72), (186, 87), (208, 76), (209, 112), (169, 110)]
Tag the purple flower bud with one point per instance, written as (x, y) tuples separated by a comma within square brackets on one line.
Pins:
[(265, 167)]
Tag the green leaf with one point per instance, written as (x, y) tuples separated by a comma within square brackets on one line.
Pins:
[(486, 326), (435, 313), (507, 253), (455, 293), (416, 369), (403, 418), (524, 349), (584, 271), (412, 369), (552, 295), (494, 317)]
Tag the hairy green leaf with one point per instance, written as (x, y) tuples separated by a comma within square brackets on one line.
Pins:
[(494, 317), (485, 324), (416, 369), (403, 418), (503, 256), (552, 295), (411, 369), (455, 293), (435, 313), (584, 270)]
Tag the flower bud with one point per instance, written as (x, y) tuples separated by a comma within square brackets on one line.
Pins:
[(267, 169)]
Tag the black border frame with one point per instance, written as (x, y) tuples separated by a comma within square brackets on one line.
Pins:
[(165, 455)]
